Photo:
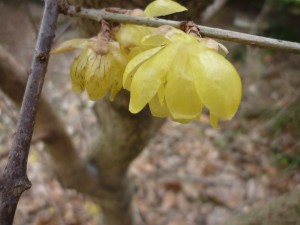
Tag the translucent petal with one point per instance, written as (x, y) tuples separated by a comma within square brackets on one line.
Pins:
[(217, 83), (116, 77), (97, 77), (148, 78), (181, 96), (70, 45), (155, 40), (162, 8), (134, 64), (157, 109), (118, 55), (78, 69), (130, 35)]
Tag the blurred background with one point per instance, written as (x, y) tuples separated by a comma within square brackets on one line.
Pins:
[(189, 174)]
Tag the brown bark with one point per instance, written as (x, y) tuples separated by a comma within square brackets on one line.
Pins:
[(123, 136)]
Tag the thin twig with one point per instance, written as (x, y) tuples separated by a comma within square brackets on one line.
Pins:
[(226, 35), (14, 180)]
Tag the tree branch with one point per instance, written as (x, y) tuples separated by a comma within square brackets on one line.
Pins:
[(14, 180), (226, 35)]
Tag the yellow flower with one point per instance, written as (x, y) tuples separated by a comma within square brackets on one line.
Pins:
[(129, 35), (179, 75), (98, 68)]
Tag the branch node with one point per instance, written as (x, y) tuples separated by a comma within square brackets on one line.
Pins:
[(191, 28), (20, 188), (63, 7), (77, 8), (42, 57)]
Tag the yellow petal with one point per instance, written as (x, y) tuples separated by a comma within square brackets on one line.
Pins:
[(217, 82), (155, 40), (162, 8), (130, 35), (149, 77), (214, 120), (134, 64), (181, 96), (78, 69), (97, 77), (157, 109), (70, 45), (116, 77)]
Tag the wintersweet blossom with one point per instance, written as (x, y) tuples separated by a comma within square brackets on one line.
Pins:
[(180, 74), (98, 68)]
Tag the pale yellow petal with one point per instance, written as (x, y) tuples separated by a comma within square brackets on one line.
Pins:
[(134, 64), (148, 78), (163, 8), (70, 45), (181, 96), (214, 120), (130, 35), (78, 69), (218, 83), (157, 109), (155, 40), (97, 79), (116, 77)]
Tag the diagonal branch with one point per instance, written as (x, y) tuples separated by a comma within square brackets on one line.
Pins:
[(14, 180), (226, 35)]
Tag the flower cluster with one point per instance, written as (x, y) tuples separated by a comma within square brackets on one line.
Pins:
[(187, 76), (176, 73)]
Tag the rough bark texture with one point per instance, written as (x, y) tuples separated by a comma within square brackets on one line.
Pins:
[(123, 136)]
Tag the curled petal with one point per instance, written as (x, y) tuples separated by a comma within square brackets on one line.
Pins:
[(149, 77), (218, 83), (218, 47), (163, 8), (134, 64), (71, 45)]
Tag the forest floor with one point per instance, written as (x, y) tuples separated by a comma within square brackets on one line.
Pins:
[(189, 174)]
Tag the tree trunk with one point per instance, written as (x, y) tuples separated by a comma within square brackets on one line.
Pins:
[(123, 136)]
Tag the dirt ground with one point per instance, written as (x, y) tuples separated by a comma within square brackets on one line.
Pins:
[(189, 174)]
